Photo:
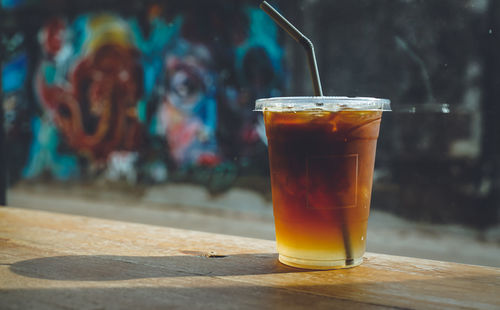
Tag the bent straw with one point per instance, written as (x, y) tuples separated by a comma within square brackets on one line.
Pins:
[(313, 68), (301, 39)]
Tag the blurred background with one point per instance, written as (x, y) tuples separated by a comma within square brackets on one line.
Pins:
[(142, 111)]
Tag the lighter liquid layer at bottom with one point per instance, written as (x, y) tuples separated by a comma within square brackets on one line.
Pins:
[(320, 244)]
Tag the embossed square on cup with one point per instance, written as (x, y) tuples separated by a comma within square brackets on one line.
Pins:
[(320, 170)]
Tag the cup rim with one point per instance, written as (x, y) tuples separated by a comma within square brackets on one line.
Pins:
[(323, 103)]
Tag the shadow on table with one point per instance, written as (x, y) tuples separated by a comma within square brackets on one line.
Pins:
[(188, 282), (112, 267)]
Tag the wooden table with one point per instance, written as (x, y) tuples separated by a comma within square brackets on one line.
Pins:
[(55, 261)]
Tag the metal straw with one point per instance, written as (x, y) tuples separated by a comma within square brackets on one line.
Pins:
[(313, 68), (301, 39)]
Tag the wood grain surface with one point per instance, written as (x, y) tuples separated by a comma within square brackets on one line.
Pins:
[(55, 261)]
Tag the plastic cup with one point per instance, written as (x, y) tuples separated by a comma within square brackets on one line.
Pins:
[(321, 155)]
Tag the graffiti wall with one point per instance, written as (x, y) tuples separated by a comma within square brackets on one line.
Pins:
[(162, 95)]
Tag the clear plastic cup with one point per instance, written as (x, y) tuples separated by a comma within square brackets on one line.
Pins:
[(321, 155)]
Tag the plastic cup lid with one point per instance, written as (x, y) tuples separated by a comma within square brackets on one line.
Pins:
[(293, 104)]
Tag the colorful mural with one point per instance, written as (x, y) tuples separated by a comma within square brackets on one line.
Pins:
[(164, 96), (90, 89)]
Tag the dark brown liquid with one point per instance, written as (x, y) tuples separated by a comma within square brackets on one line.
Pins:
[(321, 175)]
